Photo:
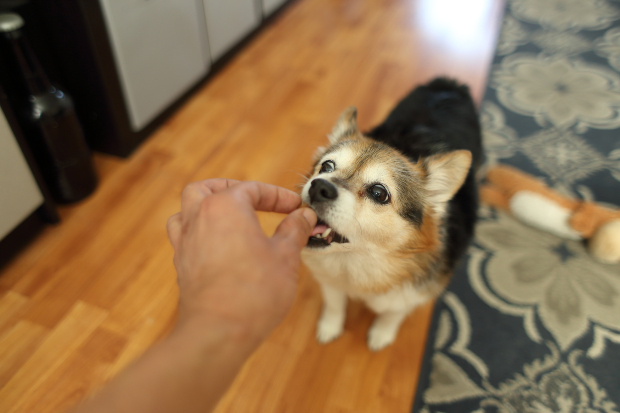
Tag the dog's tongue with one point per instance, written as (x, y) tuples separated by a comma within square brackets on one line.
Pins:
[(319, 229)]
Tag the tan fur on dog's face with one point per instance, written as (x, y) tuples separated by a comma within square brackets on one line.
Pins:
[(360, 164), (418, 192)]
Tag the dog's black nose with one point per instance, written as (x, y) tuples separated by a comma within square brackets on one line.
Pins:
[(322, 190)]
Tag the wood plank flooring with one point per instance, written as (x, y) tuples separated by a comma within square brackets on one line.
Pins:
[(91, 294)]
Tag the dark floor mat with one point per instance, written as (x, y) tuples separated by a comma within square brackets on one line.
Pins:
[(530, 322)]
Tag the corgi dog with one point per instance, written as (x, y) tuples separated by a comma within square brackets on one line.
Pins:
[(396, 208)]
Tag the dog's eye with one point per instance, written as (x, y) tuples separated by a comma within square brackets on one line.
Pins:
[(327, 166), (379, 193)]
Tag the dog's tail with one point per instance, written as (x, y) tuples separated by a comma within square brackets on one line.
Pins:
[(443, 90)]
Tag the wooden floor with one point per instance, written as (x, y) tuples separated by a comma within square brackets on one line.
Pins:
[(91, 294)]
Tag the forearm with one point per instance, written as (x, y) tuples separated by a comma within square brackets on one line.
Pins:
[(186, 372)]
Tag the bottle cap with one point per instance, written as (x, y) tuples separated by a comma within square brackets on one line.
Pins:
[(10, 22)]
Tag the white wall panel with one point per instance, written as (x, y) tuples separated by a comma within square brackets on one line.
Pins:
[(228, 21), (160, 49), (19, 193), (269, 6)]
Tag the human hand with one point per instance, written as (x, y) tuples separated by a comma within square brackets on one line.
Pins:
[(228, 269)]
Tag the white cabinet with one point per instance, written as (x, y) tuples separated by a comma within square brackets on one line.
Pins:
[(269, 6), (19, 193), (228, 21), (160, 49)]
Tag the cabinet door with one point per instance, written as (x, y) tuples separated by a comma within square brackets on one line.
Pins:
[(19, 193), (269, 6), (160, 49), (228, 21)]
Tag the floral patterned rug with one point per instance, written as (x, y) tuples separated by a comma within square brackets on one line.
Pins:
[(530, 322)]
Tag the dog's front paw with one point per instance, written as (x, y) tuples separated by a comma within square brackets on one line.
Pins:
[(384, 330), (379, 338), (328, 330)]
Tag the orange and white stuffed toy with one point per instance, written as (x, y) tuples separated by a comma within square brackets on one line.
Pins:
[(535, 204)]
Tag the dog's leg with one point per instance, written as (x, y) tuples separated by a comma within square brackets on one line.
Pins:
[(384, 329), (331, 323)]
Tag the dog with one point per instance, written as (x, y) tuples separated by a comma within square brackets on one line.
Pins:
[(396, 208)]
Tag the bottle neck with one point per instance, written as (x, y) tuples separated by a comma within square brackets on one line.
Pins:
[(36, 80)]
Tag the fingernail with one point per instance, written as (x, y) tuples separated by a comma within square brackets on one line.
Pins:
[(310, 216)]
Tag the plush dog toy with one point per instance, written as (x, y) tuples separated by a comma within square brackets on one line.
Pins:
[(535, 204)]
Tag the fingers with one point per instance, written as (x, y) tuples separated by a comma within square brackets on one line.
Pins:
[(174, 229), (295, 229), (260, 196), (196, 192), (266, 197), (240, 196)]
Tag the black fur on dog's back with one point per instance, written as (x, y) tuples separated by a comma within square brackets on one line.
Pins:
[(435, 118)]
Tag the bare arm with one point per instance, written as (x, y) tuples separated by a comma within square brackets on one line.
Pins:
[(235, 284)]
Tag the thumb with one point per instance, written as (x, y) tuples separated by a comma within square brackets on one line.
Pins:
[(296, 228)]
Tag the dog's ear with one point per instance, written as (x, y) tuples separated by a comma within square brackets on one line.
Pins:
[(446, 174), (345, 127)]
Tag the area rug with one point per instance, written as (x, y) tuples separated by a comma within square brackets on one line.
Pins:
[(530, 322)]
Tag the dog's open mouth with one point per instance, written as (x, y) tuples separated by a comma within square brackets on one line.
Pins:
[(322, 236)]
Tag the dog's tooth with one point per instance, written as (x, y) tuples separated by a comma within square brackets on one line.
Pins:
[(326, 233), (318, 235)]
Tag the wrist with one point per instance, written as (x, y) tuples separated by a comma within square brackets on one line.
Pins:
[(249, 320), (212, 330)]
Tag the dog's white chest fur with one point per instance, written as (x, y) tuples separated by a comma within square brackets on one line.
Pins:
[(361, 275), (355, 275), (353, 272)]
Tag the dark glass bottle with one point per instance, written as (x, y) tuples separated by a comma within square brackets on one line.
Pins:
[(50, 122)]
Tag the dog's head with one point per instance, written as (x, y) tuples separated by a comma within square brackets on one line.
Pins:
[(368, 195)]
